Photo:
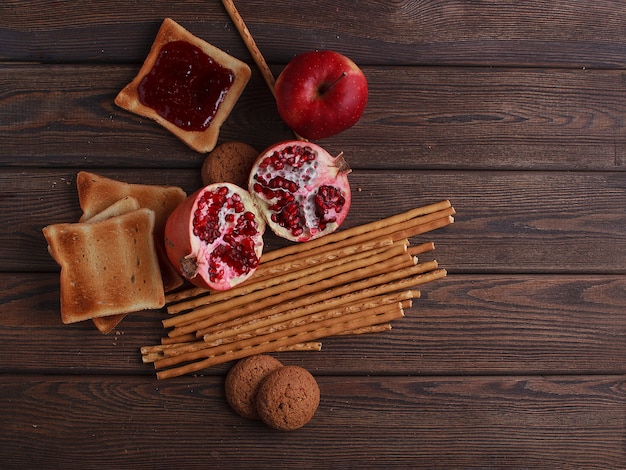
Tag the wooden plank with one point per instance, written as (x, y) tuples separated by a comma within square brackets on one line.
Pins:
[(512, 110), (362, 422), (463, 324), (506, 221), (558, 33), (416, 118)]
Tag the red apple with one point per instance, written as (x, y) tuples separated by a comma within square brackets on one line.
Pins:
[(321, 93)]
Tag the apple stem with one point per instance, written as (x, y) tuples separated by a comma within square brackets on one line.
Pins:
[(327, 86)]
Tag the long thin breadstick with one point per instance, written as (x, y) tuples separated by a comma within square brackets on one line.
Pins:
[(185, 294), (394, 225), (419, 249), (179, 339), (272, 341), (291, 332), (362, 299), (287, 265), (266, 283), (250, 43), (252, 47), (350, 282), (215, 313), (366, 330), (382, 284), (308, 346), (358, 230), (342, 271), (398, 231), (155, 355), (423, 228), (281, 266), (291, 317)]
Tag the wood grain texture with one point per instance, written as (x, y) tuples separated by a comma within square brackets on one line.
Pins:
[(416, 118), (427, 32), (515, 111), (544, 221), (537, 422), (464, 324)]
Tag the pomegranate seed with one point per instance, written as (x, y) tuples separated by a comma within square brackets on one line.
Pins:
[(284, 181)]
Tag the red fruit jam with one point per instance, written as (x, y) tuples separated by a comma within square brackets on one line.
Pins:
[(185, 86)]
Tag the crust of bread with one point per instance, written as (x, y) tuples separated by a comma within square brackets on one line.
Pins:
[(108, 267), (97, 193), (128, 204), (200, 141)]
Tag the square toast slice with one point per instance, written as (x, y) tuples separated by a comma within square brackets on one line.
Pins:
[(204, 138), (107, 267), (96, 193), (128, 204)]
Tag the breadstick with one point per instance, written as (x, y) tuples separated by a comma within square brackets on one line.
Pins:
[(185, 294), (161, 348), (361, 236), (366, 330), (341, 295), (419, 249), (180, 339), (277, 267), (358, 230), (250, 43), (232, 308), (266, 283), (151, 357), (282, 265), (285, 319), (412, 231), (273, 341), (308, 346), (361, 267)]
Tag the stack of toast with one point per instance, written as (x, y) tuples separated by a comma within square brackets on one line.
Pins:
[(110, 260)]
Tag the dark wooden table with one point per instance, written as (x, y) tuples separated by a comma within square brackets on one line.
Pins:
[(515, 111)]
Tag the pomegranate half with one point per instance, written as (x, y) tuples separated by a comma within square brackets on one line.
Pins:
[(214, 238), (302, 191)]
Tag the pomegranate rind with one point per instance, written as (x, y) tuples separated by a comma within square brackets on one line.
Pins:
[(269, 185), (195, 258)]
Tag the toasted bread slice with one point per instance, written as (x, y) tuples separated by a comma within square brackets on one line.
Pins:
[(123, 206), (128, 204), (96, 193), (194, 114), (108, 267)]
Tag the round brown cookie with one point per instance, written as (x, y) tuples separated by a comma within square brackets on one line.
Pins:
[(243, 380), (288, 398), (230, 162)]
